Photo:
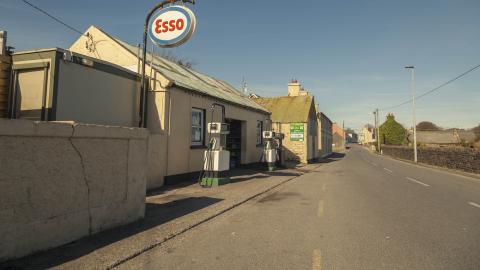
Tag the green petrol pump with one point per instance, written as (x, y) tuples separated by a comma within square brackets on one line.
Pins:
[(216, 163)]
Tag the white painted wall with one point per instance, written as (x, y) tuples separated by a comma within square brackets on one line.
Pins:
[(93, 96), (63, 181)]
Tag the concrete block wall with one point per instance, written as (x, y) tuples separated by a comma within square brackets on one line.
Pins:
[(458, 158), (62, 181), (5, 67)]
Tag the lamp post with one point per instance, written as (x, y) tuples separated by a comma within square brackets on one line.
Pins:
[(414, 117)]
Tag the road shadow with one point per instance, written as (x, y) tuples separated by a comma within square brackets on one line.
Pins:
[(279, 196), (282, 173), (155, 215), (247, 178), (165, 189), (332, 158)]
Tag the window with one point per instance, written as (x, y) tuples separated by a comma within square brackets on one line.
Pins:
[(259, 133), (198, 124)]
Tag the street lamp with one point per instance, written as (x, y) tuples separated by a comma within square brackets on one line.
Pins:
[(414, 117)]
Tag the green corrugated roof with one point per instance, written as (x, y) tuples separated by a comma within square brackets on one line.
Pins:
[(287, 109), (195, 81)]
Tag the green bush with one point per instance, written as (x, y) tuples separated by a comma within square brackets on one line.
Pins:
[(392, 132)]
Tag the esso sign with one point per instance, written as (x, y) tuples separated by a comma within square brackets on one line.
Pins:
[(171, 26)]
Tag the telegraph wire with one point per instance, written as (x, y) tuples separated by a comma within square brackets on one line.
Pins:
[(53, 17), (434, 89)]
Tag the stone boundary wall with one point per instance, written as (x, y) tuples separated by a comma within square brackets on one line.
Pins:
[(464, 159), (62, 181)]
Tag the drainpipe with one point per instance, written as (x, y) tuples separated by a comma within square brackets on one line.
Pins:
[(5, 59)]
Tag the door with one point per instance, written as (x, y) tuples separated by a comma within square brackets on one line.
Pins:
[(30, 94), (234, 142)]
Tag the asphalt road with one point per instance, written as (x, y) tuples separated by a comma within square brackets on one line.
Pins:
[(361, 211)]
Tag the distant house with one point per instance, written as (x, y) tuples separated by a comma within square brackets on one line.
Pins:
[(325, 135), (438, 138), (367, 135), (307, 131), (338, 141), (352, 137)]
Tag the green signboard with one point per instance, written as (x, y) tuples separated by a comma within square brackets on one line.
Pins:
[(297, 133)]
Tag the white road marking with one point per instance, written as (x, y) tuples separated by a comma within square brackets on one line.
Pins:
[(390, 171), (316, 260), (418, 182), (375, 164), (474, 204), (321, 209)]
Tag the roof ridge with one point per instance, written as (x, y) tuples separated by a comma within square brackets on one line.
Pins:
[(286, 97)]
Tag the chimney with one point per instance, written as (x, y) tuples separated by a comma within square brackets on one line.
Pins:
[(294, 88), (3, 42)]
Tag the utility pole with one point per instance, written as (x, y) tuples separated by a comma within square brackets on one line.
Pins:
[(414, 117), (377, 130)]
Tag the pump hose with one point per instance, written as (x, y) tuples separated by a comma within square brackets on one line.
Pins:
[(203, 172), (208, 161)]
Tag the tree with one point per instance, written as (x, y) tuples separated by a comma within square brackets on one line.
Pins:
[(392, 132), (425, 125), (173, 58)]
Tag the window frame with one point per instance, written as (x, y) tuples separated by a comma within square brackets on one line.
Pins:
[(259, 136), (201, 143)]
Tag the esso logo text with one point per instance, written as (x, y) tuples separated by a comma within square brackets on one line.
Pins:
[(172, 26), (169, 26)]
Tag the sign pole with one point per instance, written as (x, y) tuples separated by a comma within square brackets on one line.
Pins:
[(143, 86)]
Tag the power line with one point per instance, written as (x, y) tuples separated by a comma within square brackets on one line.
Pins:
[(434, 89), (53, 17)]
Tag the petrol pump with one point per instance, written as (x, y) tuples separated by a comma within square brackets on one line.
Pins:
[(272, 142), (216, 158), (269, 151)]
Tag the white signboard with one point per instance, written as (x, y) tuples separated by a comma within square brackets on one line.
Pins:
[(171, 26)]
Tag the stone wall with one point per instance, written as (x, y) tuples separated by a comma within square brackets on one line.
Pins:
[(464, 159), (63, 181), (5, 65), (293, 151)]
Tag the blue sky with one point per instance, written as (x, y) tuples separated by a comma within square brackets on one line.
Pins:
[(349, 54)]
